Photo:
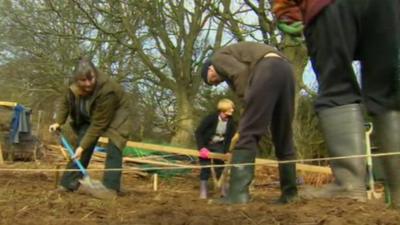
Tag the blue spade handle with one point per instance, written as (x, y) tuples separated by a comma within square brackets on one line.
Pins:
[(70, 150)]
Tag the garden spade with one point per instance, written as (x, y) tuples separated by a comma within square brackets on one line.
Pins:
[(372, 194), (92, 187)]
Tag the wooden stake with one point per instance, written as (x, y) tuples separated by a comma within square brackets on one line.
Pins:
[(37, 135), (57, 175), (1, 155), (155, 182)]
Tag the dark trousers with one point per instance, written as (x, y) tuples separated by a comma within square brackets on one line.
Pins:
[(365, 30), (111, 179), (206, 172), (269, 103)]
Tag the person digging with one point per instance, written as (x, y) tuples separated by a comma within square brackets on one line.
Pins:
[(263, 78), (97, 106), (214, 134), (336, 33)]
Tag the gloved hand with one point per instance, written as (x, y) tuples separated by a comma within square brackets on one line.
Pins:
[(204, 153), (294, 28), (54, 127)]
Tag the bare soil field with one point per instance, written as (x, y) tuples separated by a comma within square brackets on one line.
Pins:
[(28, 197)]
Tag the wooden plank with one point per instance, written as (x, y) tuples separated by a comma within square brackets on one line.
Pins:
[(146, 161), (299, 166), (167, 149), (191, 152), (153, 162), (8, 104)]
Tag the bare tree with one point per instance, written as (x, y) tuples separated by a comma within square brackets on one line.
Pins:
[(165, 36), (159, 43), (153, 48)]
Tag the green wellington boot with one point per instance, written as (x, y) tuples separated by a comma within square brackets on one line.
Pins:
[(241, 177), (343, 128), (287, 178), (387, 127)]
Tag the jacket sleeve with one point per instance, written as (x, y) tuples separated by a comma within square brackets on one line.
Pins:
[(201, 132), (227, 65), (102, 114), (287, 10), (63, 109)]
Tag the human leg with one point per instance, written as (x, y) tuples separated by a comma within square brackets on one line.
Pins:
[(204, 176), (262, 94), (338, 102), (112, 179)]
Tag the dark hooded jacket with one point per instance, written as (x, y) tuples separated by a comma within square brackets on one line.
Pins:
[(206, 130)]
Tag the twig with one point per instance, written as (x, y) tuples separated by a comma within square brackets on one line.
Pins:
[(247, 217), (87, 215)]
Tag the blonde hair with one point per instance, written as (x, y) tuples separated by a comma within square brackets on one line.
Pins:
[(225, 104)]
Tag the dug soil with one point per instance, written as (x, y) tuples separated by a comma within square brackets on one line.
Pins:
[(28, 197)]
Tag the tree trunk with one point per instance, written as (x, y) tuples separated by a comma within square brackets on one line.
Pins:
[(184, 119), (297, 54)]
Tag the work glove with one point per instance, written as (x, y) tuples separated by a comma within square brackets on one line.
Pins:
[(289, 16), (204, 153), (291, 28), (54, 127)]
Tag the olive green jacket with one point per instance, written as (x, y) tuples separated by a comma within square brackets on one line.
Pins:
[(235, 63), (108, 108)]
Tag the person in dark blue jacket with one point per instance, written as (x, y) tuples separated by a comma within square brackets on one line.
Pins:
[(214, 134)]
